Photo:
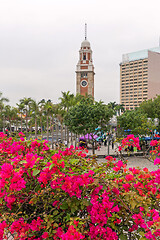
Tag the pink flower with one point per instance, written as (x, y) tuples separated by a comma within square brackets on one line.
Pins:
[(115, 209), (129, 177), (157, 161), (3, 225), (45, 235), (153, 142), (119, 148), (72, 234), (119, 164), (21, 134)]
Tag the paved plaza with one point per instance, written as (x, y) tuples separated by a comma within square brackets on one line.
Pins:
[(134, 160)]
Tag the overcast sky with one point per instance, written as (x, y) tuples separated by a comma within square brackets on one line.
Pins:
[(40, 42)]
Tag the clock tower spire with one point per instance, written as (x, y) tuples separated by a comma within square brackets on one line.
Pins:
[(85, 31), (85, 69)]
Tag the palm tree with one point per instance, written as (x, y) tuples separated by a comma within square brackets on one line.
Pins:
[(41, 114), (119, 108), (34, 114), (59, 113), (27, 106), (67, 101), (3, 100), (48, 112), (21, 108), (7, 114), (15, 117), (112, 105)]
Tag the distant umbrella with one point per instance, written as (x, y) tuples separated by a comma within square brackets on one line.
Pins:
[(89, 136)]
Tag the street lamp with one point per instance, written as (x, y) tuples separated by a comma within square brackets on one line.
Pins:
[(112, 123), (155, 123)]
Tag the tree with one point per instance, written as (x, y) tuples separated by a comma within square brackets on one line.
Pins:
[(119, 109), (152, 108), (41, 114), (157, 108), (48, 112), (86, 116), (7, 117), (112, 105), (35, 113), (134, 120), (14, 117), (3, 100), (67, 101), (59, 114), (148, 108), (27, 105), (21, 108)]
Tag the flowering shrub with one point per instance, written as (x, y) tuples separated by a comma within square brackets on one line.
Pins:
[(46, 194), (129, 141)]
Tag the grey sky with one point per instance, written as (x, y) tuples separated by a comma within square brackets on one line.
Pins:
[(40, 42)]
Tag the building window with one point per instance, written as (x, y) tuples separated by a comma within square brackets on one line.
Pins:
[(83, 75)]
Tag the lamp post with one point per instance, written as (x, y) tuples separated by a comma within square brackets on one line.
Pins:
[(155, 123), (112, 123)]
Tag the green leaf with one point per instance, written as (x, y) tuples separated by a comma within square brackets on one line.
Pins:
[(133, 204), (74, 161), (68, 217), (24, 161), (64, 206), (55, 212), (123, 237), (50, 167), (142, 233), (35, 172)]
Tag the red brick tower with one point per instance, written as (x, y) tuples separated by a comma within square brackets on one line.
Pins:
[(85, 69)]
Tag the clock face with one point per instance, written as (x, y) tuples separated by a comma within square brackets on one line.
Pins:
[(84, 83)]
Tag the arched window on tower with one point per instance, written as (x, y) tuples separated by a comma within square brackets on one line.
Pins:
[(83, 75), (84, 56)]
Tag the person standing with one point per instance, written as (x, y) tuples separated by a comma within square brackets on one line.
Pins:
[(112, 143)]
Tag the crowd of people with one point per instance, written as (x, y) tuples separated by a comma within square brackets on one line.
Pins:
[(102, 141)]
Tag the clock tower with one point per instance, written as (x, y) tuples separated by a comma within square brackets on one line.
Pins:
[(85, 69)]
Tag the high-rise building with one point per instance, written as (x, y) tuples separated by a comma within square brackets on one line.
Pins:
[(85, 69), (139, 77)]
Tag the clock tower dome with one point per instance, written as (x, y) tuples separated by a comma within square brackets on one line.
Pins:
[(85, 69)]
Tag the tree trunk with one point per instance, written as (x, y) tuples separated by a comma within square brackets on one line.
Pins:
[(93, 147), (71, 138), (26, 123), (21, 123), (67, 137), (16, 125), (35, 127), (75, 139), (62, 132), (52, 131), (65, 133), (10, 128), (3, 124), (47, 129), (108, 144), (41, 126), (56, 131)]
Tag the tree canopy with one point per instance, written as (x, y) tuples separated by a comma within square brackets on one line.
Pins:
[(134, 120), (87, 115)]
